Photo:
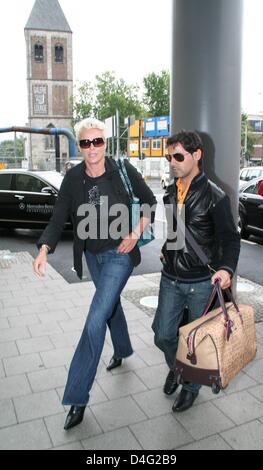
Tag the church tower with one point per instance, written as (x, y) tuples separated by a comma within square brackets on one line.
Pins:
[(49, 80)]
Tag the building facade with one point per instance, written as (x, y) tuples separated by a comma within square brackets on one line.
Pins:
[(255, 122), (49, 80)]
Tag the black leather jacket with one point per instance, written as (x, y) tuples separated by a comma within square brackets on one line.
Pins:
[(209, 219)]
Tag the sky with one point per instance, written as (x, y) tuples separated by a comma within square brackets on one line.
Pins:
[(115, 35)]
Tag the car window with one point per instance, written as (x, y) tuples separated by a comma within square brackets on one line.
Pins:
[(243, 175), (28, 183), (252, 189), (5, 182), (253, 174)]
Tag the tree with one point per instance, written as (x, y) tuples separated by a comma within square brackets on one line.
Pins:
[(12, 149), (248, 139), (82, 101), (106, 96), (115, 94), (157, 93)]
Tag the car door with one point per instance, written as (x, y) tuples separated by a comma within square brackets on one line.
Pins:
[(253, 204), (6, 198), (35, 199)]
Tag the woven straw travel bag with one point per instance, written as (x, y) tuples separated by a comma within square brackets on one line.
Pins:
[(214, 348)]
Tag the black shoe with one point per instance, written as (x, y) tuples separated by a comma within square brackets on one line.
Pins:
[(75, 416), (114, 362), (184, 400), (170, 384)]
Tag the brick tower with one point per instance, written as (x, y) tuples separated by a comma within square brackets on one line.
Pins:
[(49, 80)]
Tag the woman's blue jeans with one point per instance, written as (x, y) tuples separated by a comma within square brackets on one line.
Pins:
[(174, 296), (109, 271)]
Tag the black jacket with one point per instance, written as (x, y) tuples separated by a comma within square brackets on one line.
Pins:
[(209, 219), (72, 195)]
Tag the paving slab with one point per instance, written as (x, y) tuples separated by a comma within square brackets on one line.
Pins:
[(40, 325)]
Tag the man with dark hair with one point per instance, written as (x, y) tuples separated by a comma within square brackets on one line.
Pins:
[(186, 281)]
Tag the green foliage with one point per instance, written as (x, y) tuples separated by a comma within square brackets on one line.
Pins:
[(12, 149), (108, 94), (157, 93), (82, 102), (104, 97), (112, 94)]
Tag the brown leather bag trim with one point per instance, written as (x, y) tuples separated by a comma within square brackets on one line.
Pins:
[(198, 376)]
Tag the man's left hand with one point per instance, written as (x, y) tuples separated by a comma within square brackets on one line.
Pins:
[(223, 277)]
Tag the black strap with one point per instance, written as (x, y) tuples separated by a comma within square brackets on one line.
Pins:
[(189, 237)]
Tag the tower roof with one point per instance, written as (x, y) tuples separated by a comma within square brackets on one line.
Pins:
[(47, 15)]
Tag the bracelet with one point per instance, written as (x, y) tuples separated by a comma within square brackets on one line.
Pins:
[(45, 248)]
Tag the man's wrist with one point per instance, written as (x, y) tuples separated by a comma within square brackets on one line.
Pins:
[(44, 248)]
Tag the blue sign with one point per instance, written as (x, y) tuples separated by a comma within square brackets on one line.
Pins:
[(163, 126), (149, 126)]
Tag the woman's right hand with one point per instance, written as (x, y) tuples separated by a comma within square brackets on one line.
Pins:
[(39, 264)]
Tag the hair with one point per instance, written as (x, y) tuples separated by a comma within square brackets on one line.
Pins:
[(190, 141), (89, 123)]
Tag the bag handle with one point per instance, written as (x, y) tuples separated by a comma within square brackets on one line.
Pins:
[(217, 290)]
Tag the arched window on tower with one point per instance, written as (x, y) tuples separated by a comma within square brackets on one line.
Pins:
[(50, 139), (59, 54), (39, 53)]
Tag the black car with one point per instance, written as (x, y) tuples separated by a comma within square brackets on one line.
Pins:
[(251, 208), (27, 198)]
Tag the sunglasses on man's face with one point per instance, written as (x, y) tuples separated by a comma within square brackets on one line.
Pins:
[(86, 143), (179, 157)]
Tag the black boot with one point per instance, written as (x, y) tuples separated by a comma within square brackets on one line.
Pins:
[(114, 362), (170, 384), (185, 400), (75, 416)]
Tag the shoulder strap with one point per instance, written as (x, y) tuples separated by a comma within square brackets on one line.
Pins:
[(125, 178), (189, 237)]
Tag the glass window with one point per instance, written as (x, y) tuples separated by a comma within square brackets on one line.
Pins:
[(39, 53), (29, 183), (59, 53), (253, 189), (5, 182), (243, 175), (257, 126), (156, 144), (252, 174), (145, 144)]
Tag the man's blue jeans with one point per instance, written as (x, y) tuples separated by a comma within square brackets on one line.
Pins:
[(109, 271), (174, 296)]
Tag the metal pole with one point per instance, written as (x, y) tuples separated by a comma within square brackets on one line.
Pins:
[(57, 152), (112, 137), (245, 145), (206, 83), (118, 133), (15, 146)]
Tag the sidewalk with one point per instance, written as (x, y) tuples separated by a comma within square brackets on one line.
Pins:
[(40, 324)]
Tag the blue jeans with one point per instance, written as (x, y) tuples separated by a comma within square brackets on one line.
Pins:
[(174, 296), (109, 271)]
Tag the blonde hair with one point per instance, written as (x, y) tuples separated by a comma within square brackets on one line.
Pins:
[(89, 123)]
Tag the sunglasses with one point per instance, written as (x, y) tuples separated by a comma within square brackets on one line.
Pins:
[(179, 157), (86, 143)]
